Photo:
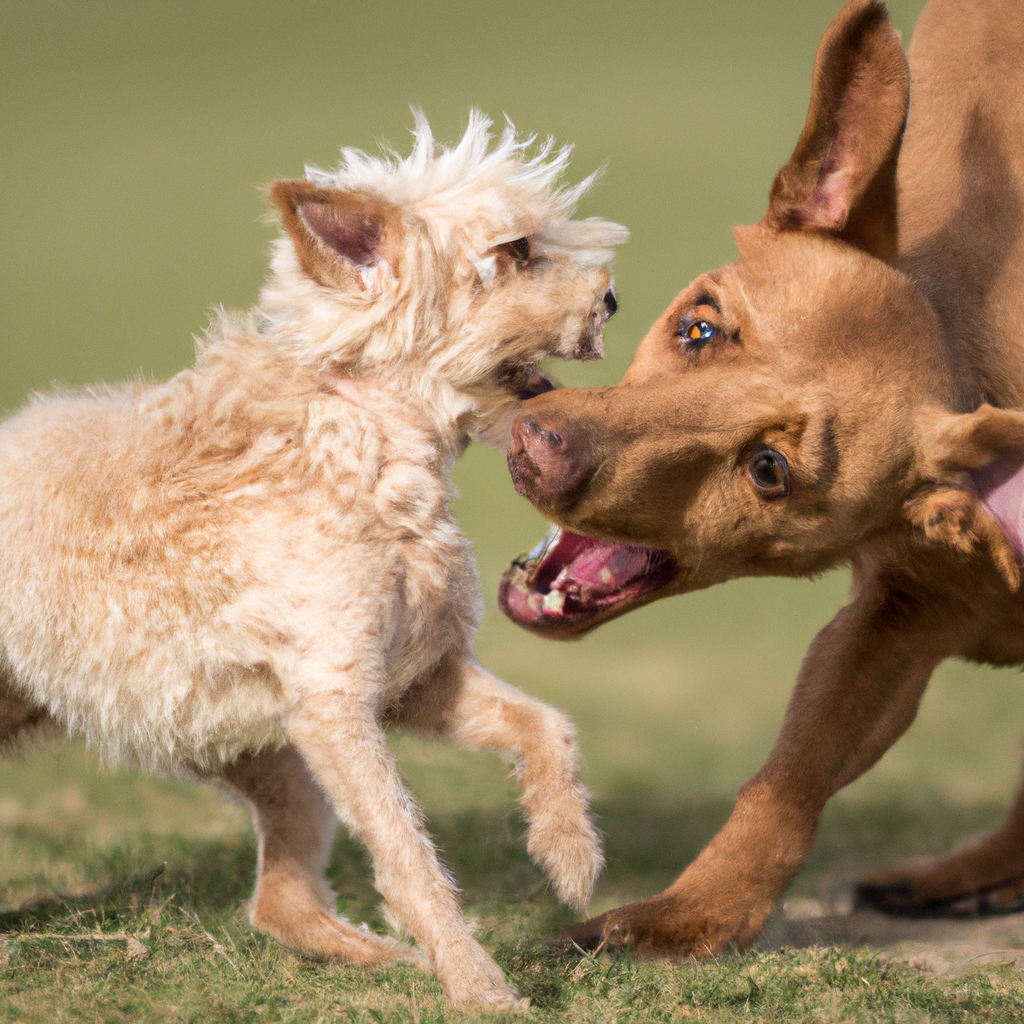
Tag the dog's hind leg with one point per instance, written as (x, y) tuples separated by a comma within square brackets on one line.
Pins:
[(480, 712), (295, 826), (983, 876), (341, 738), (19, 717)]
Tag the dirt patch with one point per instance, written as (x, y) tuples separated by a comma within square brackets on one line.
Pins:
[(942, 947)]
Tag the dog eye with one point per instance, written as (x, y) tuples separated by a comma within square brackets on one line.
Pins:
[(769, 473), (519, 249), (696, 333)]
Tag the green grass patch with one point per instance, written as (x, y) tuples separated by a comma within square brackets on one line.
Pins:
[(155, 950), (112, 924)]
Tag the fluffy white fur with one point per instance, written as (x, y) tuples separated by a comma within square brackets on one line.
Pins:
[(247, 572)]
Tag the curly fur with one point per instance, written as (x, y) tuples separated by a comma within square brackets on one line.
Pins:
[(244, 572)]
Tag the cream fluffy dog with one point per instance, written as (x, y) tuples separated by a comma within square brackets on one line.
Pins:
[(247, 572)]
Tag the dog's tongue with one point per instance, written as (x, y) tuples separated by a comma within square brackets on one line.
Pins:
[(569, 583)]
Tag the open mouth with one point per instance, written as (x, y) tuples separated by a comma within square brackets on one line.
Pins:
[(524, 382), (569, 583)]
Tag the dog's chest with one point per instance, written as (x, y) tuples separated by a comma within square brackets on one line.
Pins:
[(417, 582), (433, 607)]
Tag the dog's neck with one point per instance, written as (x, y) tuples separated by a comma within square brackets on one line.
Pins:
[(399, 410)]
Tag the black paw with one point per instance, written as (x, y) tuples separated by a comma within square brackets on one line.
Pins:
[(588, 936), (898, 899)]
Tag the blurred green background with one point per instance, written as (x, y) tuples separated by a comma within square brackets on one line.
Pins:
[(136, 141)]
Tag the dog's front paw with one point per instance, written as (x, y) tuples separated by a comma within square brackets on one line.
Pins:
[(486, 998), (631, 927), (473, 981), (568, 848), (661, 927)]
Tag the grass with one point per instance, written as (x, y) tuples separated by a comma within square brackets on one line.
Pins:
[(134, 139), (188, 975), (123, 899)]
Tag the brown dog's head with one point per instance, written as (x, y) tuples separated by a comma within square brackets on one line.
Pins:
[(784, 408)]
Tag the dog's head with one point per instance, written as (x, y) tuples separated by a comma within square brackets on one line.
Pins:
[(451, 273), (785, 408)]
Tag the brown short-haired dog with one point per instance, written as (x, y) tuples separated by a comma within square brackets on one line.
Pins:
[(833, 396), (247, 572)]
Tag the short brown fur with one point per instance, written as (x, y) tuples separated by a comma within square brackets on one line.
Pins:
[(872, 353), (247, 572)]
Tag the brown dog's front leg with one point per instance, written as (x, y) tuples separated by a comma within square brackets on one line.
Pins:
[(857, 692)]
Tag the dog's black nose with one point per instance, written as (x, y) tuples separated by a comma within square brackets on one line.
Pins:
[(609, 303)]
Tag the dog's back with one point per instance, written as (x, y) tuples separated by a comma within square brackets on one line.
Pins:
[(961, 188), (190, 500), (137, 486)]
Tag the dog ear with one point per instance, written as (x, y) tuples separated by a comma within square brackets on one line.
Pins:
[(957, 464), (335, 233), (952, 442), (954, 516), (841, 178)]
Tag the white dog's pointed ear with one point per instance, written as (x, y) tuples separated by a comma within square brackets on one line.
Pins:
[(841, 178), (335, 233)]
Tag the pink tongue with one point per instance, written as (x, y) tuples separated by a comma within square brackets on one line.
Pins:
[(603, 568), (1001, 490), (595, 567), (568, 584)]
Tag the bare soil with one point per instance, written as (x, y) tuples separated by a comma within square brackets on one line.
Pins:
[(939, 946)]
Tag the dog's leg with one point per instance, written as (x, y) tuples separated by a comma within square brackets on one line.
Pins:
[(342, 741), (294, 827), (858, 691), (480, 712), (18, 716), (983, 876)]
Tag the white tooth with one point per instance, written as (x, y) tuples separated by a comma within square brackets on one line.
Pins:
[(607, 576), (554, 601)]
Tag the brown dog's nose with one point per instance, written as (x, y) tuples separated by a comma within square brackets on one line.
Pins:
[(542, 466)]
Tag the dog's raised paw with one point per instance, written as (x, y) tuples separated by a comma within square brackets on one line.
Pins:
[(569, 851)]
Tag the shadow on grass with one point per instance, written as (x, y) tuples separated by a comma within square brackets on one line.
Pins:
[(215, 874), (648, 841)]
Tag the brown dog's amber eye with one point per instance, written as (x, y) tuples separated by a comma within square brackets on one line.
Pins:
[(697, 333), (769, 473), (519, 249)]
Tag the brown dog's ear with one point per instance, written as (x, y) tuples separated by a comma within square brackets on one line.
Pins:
[(841, 178), (334, 232), (952, 442), (954, 516), (952, 448)]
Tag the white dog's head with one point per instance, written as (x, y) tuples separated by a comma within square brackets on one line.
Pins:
[(449, 274)]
